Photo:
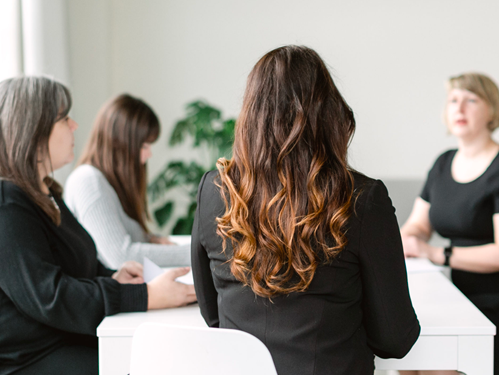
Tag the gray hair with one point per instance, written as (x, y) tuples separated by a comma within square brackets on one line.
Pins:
[(29, 108)]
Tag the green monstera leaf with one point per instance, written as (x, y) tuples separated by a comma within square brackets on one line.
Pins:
[(204, 127), (163, 214), (184, 224)]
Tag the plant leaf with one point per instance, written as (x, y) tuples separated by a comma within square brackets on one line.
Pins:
[(183, 226), (203, 124), (163, 214)]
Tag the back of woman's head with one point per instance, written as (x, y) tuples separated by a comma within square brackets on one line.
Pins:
[(29, 108), (120, 130), (484, 87), (288, 182)]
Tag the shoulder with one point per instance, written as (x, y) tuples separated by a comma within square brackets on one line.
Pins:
[(446, 156), (369, 193), (209, 183), (86, 177), (494, 165), (364, 185), (492, 174), (211, 177), (210, 200), (10, 193), (85, 185), (443, 160), (13, 199), (84, 174)]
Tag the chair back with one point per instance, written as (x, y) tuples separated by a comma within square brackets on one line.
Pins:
[(166, 349)]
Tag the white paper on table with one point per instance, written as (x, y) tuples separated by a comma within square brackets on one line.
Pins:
[(186, 279), (152, 270), (420, 265)]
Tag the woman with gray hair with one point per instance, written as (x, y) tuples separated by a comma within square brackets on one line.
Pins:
[(53, 290)]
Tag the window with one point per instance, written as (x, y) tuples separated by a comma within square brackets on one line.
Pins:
[(10, 39)]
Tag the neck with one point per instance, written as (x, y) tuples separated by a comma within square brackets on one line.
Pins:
[(478, 146)]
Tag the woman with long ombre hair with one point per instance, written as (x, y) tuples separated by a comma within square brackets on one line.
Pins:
[(107, 191), (289, 243)]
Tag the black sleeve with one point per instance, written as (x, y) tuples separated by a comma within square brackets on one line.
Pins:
[(495, 197), (38, 287), (434, 174), (203, 281), (104, 271), (389, 318), (425, 193)]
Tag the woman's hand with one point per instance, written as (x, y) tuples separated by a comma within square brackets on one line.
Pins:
[(415, 247), (161, 240), (164, 291), (130, 273), (412, 247)]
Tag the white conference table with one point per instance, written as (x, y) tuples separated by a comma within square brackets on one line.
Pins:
[(454, 333)]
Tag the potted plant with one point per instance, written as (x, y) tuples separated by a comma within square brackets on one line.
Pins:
[(205, 128)]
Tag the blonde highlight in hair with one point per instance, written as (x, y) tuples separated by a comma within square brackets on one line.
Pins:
[(288, 188), (480, 85)]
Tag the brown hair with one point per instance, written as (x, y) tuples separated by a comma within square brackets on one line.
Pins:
[(29, 109), (288, 183), (122, 126), (481, 85)]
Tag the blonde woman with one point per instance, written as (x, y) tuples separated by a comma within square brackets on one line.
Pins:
[(460, 199)]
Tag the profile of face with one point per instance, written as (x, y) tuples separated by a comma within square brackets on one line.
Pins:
[(467, 114), (145, 152), (61, 143)]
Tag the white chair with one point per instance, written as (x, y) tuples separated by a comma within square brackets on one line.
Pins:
[(175, 350)]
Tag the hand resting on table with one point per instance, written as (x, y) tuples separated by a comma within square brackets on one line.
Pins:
[(131, 272), (165, 292)]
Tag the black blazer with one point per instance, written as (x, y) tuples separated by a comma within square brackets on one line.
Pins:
[(355, 307), (53, 290)]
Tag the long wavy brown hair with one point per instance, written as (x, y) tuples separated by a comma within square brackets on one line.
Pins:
[(288, 187), (122, 126)]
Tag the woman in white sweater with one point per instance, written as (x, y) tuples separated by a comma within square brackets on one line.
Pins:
[(107, 191)]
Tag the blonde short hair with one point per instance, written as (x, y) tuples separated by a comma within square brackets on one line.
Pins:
[(484, 87)]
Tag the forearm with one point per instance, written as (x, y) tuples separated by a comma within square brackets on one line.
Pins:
[(116, 246), (162, 255), (412, 229), (480, 259)]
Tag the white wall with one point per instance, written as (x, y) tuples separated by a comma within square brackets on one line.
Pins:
[(10, 39), (389, 58), (90, 61)]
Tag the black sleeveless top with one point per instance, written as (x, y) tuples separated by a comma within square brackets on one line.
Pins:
[(463, 213)]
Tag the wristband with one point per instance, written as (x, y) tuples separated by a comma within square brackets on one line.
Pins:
[(447, 254)]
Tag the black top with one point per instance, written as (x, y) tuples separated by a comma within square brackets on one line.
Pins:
[(355, 307), (53, 290), (463, 213)]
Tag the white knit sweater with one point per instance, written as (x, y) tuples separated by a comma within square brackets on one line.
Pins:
[(118, 237)]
